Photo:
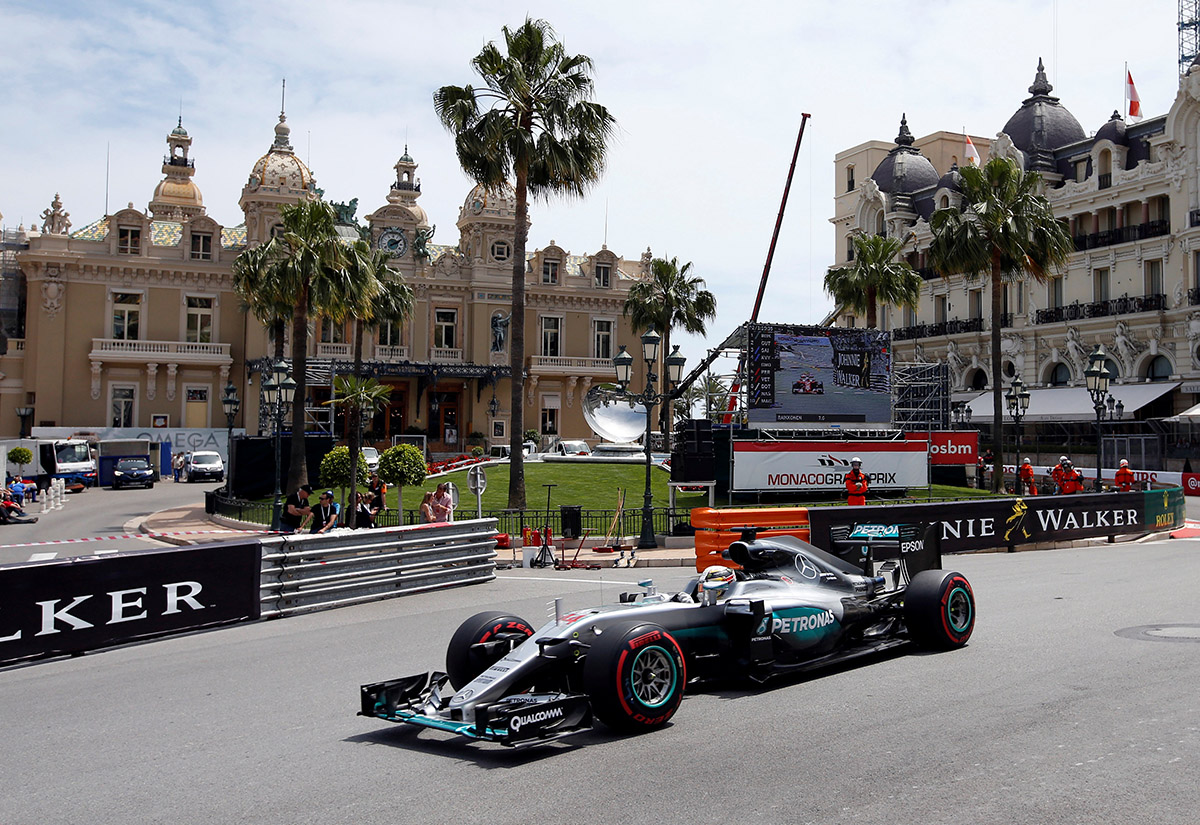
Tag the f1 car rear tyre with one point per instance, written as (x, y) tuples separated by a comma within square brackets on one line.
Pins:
[(480, 642), (939, 609), (634, 675)]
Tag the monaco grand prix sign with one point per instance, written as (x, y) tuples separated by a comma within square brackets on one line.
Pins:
[(779, 466)]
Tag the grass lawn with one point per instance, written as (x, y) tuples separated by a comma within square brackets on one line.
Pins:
[(597, 486)]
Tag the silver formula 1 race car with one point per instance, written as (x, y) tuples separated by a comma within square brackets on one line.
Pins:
[(790, 607)]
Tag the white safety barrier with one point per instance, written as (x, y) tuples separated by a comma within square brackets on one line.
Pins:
[(315, 572)]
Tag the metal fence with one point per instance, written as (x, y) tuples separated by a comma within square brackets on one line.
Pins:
[(316, 572)]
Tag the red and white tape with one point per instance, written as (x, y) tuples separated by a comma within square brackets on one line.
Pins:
[(129, 536)]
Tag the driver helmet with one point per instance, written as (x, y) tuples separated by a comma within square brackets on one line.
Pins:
[(1124, 462), (715, 580), (1062, 459), (856, 462), (1026, 461)]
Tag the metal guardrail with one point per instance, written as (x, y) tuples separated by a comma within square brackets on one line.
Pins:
[(595, 523), (314, 572)]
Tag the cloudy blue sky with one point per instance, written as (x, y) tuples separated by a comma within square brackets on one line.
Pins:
[(708, 97)]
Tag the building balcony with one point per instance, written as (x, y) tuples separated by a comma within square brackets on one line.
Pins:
[(16, 346), (955, 327), (445, 355), (1193, 296), (1125, 234), (388, 353), (114, 350), (569, 365), (327, 349), (1102, 309)]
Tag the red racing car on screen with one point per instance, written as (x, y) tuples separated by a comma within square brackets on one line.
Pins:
[(808, 385)]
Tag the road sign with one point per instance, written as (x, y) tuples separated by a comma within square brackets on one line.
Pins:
[(476, 480)]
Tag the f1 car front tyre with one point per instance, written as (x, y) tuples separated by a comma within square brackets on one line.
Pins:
[(634, 675), (480, 642), (939, 609)]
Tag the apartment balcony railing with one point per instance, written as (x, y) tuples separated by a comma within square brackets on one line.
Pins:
[(570, 365), (16, 346), (1124, 305), (1106, 181), (926, 272), (1006, 320), (955, 327), (1125, 234), (326, 349), (445, 355), (179, 352), (405, 186), (390, 353), (1194, 217)]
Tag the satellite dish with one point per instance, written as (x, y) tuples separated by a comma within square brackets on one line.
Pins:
[(613, 416)]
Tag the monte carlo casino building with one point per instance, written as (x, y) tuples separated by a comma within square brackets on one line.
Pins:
[(1131, 196), (132, 320)]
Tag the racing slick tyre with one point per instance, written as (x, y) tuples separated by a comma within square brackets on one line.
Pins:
[(939, 609), (634, 675), (469, 652)]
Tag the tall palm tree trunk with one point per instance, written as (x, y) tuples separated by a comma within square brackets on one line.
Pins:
[(664, 414), (516, 473), (872, 309), (298, 471), (997, 401), (279, 326), (355, 440)]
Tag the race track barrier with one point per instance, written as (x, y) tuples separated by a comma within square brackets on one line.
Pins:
[(716, 529), (313, 572)]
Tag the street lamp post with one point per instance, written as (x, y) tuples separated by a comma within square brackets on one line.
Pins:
[(623, 364), (24, 413), (230, 403), (279, 390), (961, 415), (1018, 404), (1097, 377)]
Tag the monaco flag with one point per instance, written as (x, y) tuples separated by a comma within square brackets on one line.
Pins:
[(1135, 103), (972, 153)]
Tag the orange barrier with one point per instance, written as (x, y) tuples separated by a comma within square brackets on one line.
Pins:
[(717, 529)]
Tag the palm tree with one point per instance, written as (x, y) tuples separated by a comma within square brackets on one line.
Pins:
[(260, 291), (358, 397), (714, 388), (875, 276), (312, 269), (1004, 230), (382, 297), (533, 122), (672, 297)]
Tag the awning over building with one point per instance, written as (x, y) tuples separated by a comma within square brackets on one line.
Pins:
[(1192, 415), (1075, 403)]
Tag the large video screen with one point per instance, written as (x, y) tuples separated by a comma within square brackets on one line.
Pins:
[(801, 376)]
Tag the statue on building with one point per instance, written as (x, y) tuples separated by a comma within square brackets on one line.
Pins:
[(956, 361), (345, 212), (500, 331), (1127, 347), (421, 243), (1076, 352), (56, 221)]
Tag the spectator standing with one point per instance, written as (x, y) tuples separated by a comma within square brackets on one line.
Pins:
[(378, 492), (426, 509), (443, 503), (856, 484), (364, 516), (296, 509), (1124, 479)]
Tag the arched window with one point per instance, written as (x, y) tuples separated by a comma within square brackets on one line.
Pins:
[(1061, 376), (1010, 369), (945, 202), (1159, 369), (880, 226), (979, 380), (1114, 372)]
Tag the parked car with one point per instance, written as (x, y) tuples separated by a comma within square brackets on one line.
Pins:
[(572, 448), (203, 464), (132, 472), (501, 450), (372, 457)]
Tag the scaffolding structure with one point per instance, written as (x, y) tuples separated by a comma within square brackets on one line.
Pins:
[(921, 396), (12, 285), (1189, 33)]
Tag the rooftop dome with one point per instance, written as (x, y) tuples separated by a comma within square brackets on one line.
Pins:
[(179, 130), (178, 192), (492, 203), (951, 180), (905, 170), (1113, 130), (1042, 124), (279, 170)]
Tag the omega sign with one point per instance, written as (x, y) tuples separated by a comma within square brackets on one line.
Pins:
[(68, 606)]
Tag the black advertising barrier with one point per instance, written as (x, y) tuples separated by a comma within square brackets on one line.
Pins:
[(73, 605), (991, 523)]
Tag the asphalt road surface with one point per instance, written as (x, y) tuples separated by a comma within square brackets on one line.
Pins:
[(98, 511), (1074, 702)]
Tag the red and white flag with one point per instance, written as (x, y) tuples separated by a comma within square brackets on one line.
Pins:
[(972, 153), (1135, 103)]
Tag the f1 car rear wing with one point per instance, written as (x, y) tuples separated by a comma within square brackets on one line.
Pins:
[(913, 547)]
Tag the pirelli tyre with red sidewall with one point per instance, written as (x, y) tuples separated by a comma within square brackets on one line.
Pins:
[(634, 675), (480, 642), (939, 609)]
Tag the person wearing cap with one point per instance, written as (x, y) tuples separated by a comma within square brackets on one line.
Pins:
[(325, 514), (1025, 474), (1072, 479), (295, 510), (1124, 479), (856, 484)]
